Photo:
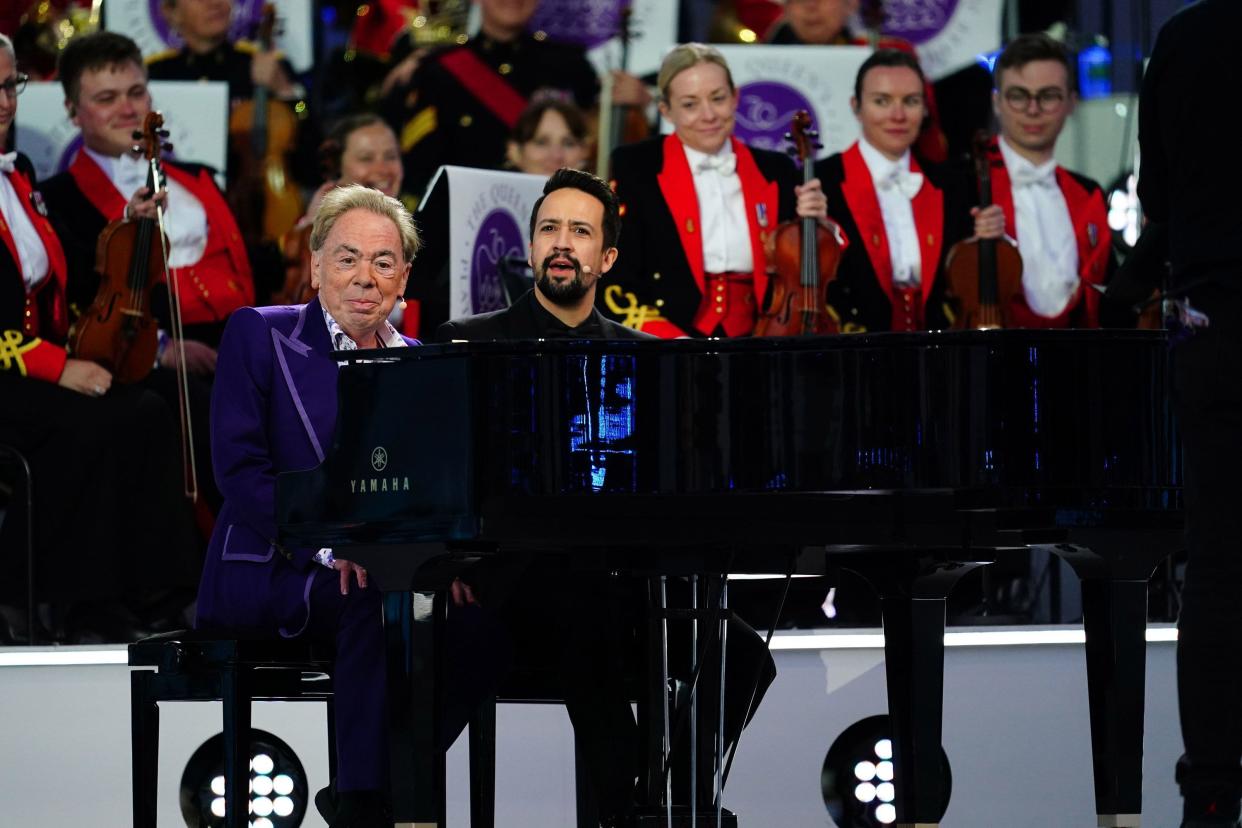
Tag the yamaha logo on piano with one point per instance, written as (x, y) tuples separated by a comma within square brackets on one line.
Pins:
[(379, 485)]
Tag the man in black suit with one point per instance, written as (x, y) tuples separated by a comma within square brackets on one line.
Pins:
[(573, 241), (591, 661), (1190, 185)]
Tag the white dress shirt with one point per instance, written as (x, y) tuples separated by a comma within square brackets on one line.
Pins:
[(895, 186), (722, 211), (1045, 234), (185, 220), (33, 258)]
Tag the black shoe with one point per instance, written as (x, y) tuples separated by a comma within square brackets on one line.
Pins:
[(361, 809), (326, 804), (1199, 823)]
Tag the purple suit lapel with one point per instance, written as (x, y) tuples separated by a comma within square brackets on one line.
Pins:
[(309, 378)]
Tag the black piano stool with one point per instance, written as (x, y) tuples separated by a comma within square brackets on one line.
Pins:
[(205, 666)]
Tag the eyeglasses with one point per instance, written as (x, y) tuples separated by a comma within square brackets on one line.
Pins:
[(1049, 100), (15, 85)]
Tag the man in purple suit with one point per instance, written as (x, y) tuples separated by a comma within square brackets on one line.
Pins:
[(274, 410)]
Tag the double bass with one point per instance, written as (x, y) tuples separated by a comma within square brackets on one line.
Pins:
[(806, 256), (984, 275)]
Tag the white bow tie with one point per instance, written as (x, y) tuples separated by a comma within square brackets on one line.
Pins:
[(726, 165), (904, 181), (8, 162), (1043, 176)]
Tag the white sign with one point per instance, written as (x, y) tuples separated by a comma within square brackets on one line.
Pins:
[(195, 115), (489, 222), (653, 25), (774, 82), (143, 21)]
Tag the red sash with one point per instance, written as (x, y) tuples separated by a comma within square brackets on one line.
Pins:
[(928, 208), (485, 84), (221, 281)]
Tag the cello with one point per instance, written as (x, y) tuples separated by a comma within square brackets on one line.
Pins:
[(806, 256), (984, 275), (262, 132)]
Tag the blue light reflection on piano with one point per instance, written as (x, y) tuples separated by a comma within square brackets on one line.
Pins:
[(601, 432)]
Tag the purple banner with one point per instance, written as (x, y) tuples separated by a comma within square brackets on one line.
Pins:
[(587, 23), (246, 16), (499, 237)]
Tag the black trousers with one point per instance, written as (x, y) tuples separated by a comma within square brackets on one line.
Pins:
[(111, 521), (581, 636), (1208, 396)]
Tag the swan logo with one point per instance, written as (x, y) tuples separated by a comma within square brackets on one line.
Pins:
[(917, 21), (764, 111), (499, 238), (246, 16)]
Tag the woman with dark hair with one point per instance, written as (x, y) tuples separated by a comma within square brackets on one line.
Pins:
[(548, 135), (895, 219)]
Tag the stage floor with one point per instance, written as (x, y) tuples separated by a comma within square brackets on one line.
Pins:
[(1015, 730)]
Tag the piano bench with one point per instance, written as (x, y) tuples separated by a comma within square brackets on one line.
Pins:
[(209, 666)]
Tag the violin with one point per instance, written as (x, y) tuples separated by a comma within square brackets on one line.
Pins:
[(262, 131), (806, 256), (118, 331), (984, 275)]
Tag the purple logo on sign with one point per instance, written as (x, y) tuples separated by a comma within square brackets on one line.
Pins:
[(584, 22), (498, 238), (764, 111), (246, 15), (918, 21)]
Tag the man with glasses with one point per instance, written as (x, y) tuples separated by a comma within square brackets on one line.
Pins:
[(1060, 218)]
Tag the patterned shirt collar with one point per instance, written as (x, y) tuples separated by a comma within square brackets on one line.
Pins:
[(341, 341)]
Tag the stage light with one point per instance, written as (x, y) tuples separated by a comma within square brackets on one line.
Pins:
[(858, 781), (277, 789)]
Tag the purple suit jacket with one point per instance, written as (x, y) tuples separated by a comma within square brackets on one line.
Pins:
[(273, 409)]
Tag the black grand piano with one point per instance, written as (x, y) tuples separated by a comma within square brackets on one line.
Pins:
[(910, 459)]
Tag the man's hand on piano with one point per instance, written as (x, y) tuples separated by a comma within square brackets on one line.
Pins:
[(345, 568), (462, 593)]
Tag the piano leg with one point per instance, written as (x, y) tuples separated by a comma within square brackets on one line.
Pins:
[(1114, 566), (913, 589), (415, 660)]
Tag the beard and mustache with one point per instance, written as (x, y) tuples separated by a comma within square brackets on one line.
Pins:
[(566, 293)]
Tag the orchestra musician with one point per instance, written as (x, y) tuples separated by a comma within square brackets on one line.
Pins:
[(273, 410), (895, 218), (826, 23), (697, 208), (1188, 192), (105, 454), (208, 55), (106, 96), (549, 134), (1059, 218)]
